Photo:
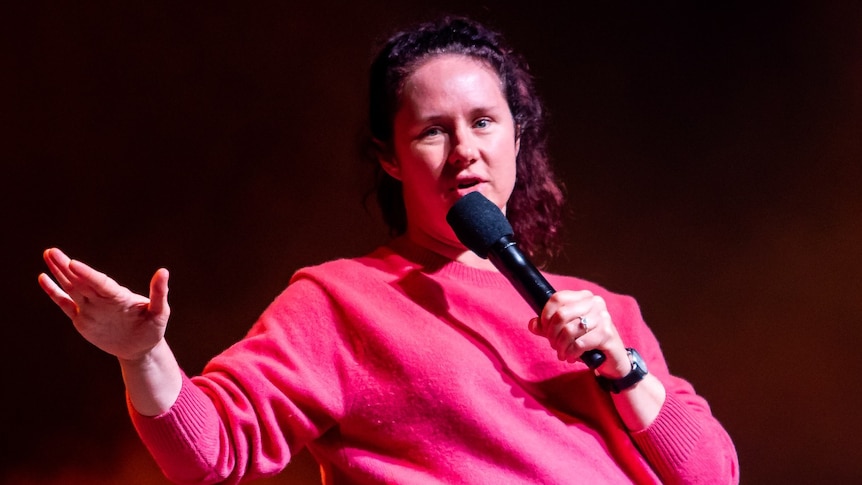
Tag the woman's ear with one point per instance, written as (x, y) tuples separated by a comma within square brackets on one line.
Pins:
[(387, 160)]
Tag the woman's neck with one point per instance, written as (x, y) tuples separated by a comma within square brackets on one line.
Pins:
[(450, 249)]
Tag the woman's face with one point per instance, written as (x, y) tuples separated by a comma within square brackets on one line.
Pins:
[(453, 134)]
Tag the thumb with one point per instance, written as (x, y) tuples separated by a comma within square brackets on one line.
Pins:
[(534, 325), (159, 292)]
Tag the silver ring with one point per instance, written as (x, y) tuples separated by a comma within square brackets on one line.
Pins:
[(584, 324)]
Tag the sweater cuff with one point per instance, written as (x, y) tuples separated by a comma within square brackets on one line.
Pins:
[(184, 439), (669, 441)]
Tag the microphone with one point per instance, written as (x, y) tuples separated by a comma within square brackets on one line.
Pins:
[(483, 229)]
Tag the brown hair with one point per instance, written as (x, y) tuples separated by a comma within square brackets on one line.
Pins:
[(536, 205)]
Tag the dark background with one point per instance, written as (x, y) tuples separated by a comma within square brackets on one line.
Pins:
[(712, 155)]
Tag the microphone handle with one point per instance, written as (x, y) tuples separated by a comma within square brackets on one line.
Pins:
[(531, 285)]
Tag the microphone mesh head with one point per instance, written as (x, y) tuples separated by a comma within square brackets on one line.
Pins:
[(478, 223)]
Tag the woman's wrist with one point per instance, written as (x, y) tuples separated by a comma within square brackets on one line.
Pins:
[(639, 405), (153, 380)]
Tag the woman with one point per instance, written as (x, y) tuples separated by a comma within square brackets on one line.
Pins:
[(415, 363)]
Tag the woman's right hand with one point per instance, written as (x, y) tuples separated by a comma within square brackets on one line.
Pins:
[(109, 316)]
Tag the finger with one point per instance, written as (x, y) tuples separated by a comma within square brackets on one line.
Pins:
[(534, 326), (92, 283), (571, 340), (567, 340), (600, 335), (58, 263), (563, 333), (564, 298), (576, 348), (58, 296), (598, 305), (564, 323), (586, 314), (159, 292)]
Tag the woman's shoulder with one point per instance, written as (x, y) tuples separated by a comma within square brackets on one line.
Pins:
[(317, 286), (380, 261)]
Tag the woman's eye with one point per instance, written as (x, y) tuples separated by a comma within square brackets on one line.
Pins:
[(483, 123), (432, 132)]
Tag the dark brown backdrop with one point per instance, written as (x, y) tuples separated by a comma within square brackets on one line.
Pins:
[(712, 158)]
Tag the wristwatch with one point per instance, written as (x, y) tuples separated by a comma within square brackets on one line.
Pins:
[(639, 370)]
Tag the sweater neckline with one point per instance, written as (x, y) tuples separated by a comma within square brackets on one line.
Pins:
[(438, 265)]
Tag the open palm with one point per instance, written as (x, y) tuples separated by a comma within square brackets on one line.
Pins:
[(108, 315)]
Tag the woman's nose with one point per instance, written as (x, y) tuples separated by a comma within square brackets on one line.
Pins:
[(463, 151)]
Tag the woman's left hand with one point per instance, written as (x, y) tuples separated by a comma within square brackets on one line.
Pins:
[(577, 321)]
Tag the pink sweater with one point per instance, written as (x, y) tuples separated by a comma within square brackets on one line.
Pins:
[(403, 367)]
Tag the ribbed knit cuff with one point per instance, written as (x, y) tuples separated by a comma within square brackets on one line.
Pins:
[(184, 439), (669, 441)]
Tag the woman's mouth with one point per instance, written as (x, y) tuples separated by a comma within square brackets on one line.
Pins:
[(466, 182)]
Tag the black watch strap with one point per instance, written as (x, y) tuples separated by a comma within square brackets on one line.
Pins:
[(639, 370)]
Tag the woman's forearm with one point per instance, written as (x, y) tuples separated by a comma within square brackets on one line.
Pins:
[(153, 381)]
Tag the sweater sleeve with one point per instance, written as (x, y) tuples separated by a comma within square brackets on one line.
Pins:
[(184, 439), (260, 401), (685, 444)]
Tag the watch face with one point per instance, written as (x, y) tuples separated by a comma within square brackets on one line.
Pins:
[(638, 361)]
